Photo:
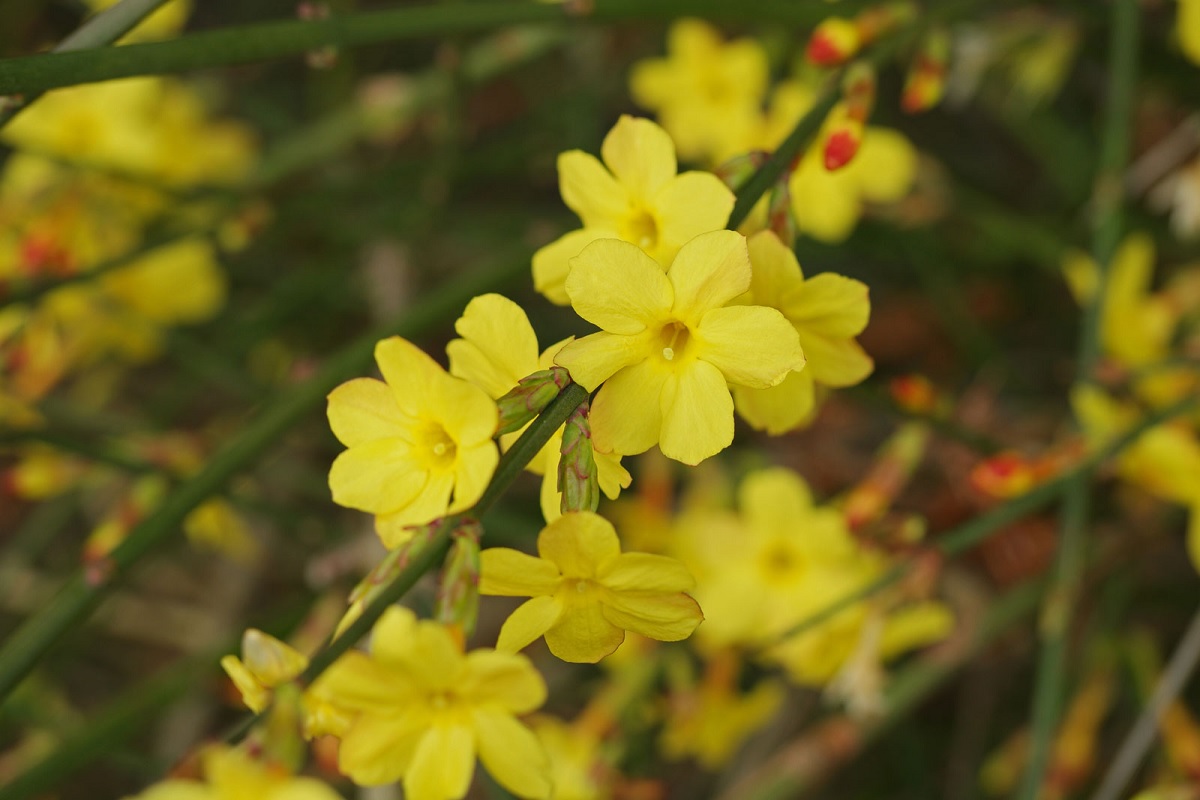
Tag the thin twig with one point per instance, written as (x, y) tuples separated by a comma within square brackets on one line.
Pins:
[(1180, 668)]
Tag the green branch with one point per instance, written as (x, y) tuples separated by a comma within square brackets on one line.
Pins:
[(1057, 611), (102, 29), (271, 40)]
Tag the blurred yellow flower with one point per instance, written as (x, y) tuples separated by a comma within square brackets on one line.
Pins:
[(669, 347), (498, 348), (163, 23), (706, 92), (420, 441), (587, 593), (420, 710), (231, 774), (634, 196), (1189, 29), (828, 311), (265, 664)]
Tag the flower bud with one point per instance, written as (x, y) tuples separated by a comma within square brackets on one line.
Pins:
[(265, 664), (577, 478), (1004, 476), (926, 80), (736, 171), (835, 41), (458, 593), (529, 397)]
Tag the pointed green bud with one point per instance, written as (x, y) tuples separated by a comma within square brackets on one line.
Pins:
[(527, 399), (458, 592), (577, 477), (385, 571)]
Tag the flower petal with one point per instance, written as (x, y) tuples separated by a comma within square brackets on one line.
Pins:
[(590, 190), (511, 573), (363, 410), (412, 375), (625, 417), (512, 754), (885, 166), (691, 204), (379, 749), (443, 764), (498, 346), (641, 155), (551, 264), (665, 617), (474, 471), (432, 502), (778, 409), (709, 271), (775, 269), (751, 345), (392, 636), (380, 476), (617, 287), (774, 501), (549, 497), (579, 544), (825, 204), (645, 572), (595, 358), (435, 660), (529, 622), (505, 680), (464, 410), (611, 475), (583, 635), (829, 305), (915, 625), (836, 362), (697, 414), (358, 683)]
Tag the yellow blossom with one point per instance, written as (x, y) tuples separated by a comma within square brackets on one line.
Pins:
[(498, 348), (576, 763), (668, 346), (586, 593), (706, 92), (415, 439), (1135, 325), (420, 710), (265, 664), (634, 196), (231, 774), (827, 205), (828, 311), (1189, 29)]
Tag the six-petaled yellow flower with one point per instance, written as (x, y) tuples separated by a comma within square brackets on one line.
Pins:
[(828, 311), (586, 593), (669, 345), (635, 196), (421, 711), (420, 441)]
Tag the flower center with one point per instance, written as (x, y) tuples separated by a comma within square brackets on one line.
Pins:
[(674, 338), (642, 230), (437, 449), (780, 562)]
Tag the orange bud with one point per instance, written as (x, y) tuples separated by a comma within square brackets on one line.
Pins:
[(842, 145), (1003, 476), (833, 42), (926, 81), (914, 393)]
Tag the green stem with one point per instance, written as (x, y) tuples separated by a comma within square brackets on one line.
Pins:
[(270, 40), (102, 29), (80, 596), (1057, 611)]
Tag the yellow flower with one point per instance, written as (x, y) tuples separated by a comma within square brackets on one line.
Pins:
[(421, 710), (827, 205), (1164, 461), (414, 439), (1135, 325), (668, 347), (268, 663), (231, 774), (576, 762), (634, 196), (1189, 28), (706, 92), (587, 593), (828, 311), (499, 348)]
